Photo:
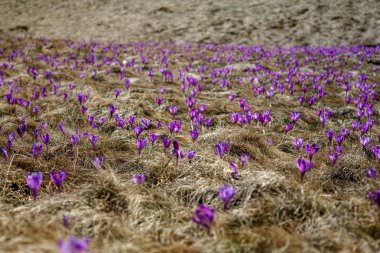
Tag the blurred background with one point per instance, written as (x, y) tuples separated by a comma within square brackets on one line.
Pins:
[(264, 22)]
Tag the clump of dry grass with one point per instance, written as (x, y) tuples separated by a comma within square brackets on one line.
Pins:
[(271, 212)]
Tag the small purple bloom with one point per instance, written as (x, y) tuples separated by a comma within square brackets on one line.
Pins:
[(303, 166), (35, 110), (73, 245), (244, 159), (93, 139), (153, 138), (36, 150), (372, 173), (375, 197), (226, 193), (295, 116), (137, 130), (334, 156), (74, 139), (159, 100), (145, 123), (204, 216), (329, 135), (177, 151), (365, 141), (190, 155), (112, 110), (234, 168), (4, 152), (311, 150), (141, 143), (173, 110), (159, 125), (117, 93), (339, 139), (45, 139), (194, 134), (62, 129), (288, 128), (58, 178), (34, 182), (138, 179), (84, 109), (221, 149), (166, 142), (298, 142), (97, 162)]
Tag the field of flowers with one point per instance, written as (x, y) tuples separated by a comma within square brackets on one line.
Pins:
[(160, 147)]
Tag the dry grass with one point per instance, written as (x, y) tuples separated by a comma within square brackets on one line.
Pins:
[(271, 212)]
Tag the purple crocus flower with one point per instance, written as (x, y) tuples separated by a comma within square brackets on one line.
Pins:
[(226, 193), (153, 138), (130, 120), (74, 139), (159, 125), (137, 130), (138, 179), (117, 93), (173, 110), (372, 173), (81, 98), (73, 245), (355, 125), (62, 129), (244, 159), (159, 100), (298, 142), (339, 139), (93, 139), (101, 121), (288, 128), (84, 109), (204, 216), (177, 151), (141, 143), (208, 122), (34, 181), (35, 110), (58, 178), (365, 141), (190, 155), (112, 110), (334, 156), (221, 149), (375, 150), (194, 134), (311, 150), (4, 152), (11, 137), (145, 123), (166, 142), (21, 130), (345, 132), (329, 135), (375, 197), (97, 162), (303, 166), (234, 168), (45, 139), (295, 116), (36, 150)]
